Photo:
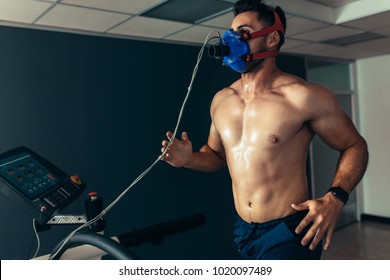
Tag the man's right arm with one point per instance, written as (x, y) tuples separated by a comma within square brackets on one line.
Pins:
[(180, 154), (211, 157)]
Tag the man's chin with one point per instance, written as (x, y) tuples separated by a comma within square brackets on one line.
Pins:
[(254, 66)]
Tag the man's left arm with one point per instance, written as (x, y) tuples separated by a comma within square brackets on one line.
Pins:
[(336, 129)]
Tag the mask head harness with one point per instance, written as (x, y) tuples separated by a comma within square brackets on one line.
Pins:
[(235, 50)]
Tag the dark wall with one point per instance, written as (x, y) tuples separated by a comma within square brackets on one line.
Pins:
[(100, 107)]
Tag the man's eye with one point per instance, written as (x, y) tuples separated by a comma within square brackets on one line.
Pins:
[(243, 31)]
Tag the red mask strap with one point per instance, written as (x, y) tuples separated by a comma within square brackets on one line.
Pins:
[(276, 26), (260, 55)]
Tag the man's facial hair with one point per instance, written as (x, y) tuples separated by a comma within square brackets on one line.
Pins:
[(256, 65)]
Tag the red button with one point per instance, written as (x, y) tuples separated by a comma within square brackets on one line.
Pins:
[(76, 179), (93, 194)]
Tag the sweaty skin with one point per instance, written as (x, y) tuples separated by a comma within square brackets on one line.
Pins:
[(265, 138), (261, 129)]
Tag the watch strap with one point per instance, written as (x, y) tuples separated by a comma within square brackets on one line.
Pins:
[(339, 193)]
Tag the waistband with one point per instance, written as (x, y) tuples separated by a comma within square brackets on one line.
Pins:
[(290, 219)]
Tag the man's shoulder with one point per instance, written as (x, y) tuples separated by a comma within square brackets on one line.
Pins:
[(222, 95), (298, 86), (307, 97), (293, 83), (229, 90)]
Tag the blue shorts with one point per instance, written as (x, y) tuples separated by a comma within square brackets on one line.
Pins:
[(274, 240)]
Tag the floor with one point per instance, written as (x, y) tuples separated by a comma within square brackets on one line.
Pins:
[(365, 240)]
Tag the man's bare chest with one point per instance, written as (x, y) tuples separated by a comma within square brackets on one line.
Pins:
[(257, 122)]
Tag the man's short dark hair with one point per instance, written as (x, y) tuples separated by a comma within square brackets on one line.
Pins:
[(266, 13)]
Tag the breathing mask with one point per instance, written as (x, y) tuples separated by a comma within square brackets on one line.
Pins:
[(235, 50)]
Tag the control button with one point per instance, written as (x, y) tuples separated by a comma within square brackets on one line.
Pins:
[(21, 167), (50, 176), (19, 179), (76, 179), (11, 172), (40, 170), (93, 194)]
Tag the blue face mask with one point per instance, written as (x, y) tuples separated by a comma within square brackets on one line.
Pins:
[(238, 49), (235, 50)]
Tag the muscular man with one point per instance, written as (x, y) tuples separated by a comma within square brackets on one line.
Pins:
[(261, 129)]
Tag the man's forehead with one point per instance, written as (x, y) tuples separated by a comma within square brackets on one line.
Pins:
[(246, 19)]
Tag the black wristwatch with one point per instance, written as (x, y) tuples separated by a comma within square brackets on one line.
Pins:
[(340, 194)]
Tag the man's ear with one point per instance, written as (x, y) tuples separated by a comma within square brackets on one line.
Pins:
[(273, 39)]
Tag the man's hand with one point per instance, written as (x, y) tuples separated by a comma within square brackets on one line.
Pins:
[(179, 152), (323, 213)]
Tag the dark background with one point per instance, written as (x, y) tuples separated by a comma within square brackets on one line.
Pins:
[(99, 107)]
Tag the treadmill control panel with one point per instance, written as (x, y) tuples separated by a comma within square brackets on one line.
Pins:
[(36, 185)]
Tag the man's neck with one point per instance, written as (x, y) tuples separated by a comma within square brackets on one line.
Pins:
[(260, 80)]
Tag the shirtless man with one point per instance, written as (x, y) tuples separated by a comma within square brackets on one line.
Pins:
[(261, 129)]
